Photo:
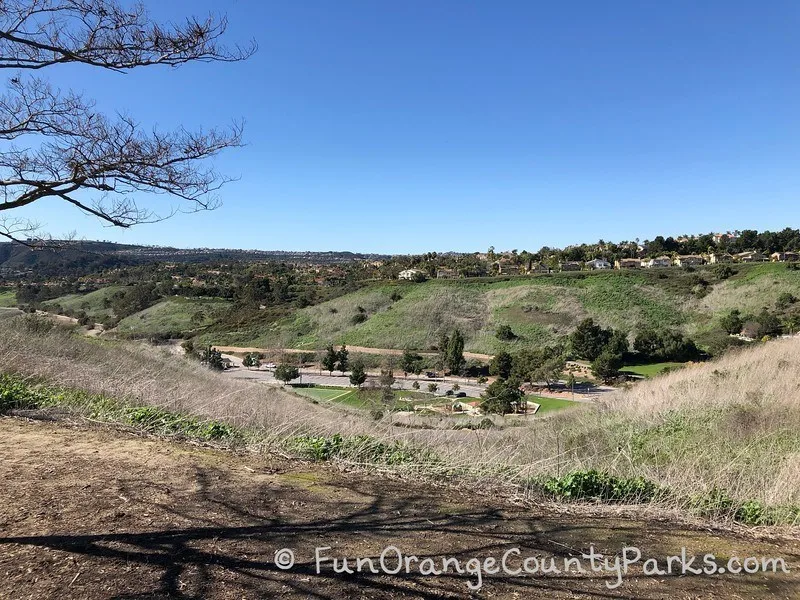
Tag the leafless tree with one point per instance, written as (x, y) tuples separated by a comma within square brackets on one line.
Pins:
[(55, 144)]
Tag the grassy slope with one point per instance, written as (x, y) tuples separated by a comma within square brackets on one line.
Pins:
[(731, 424), (539, 310), (172, 316), (93, 303), (8, 298)]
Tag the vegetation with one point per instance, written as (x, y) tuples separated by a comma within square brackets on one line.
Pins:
[(286, 373), (683, 432), (357, 374), (502, 397)]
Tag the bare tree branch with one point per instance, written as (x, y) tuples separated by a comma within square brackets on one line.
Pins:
[(39, 33), (56, 144)]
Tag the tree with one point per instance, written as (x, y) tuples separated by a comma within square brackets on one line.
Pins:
[(588, 339), (732, 323), (456, 387), (432, 388), (386, 381), (251, 359), (411, 362), (768, 324), (342, 359), (606, 366), (415, 385), (72, 152), (357, 374), (505, 333), (502, 364), (330, 359), (502, 397), (212, 358), (286, 373), (454, 353)]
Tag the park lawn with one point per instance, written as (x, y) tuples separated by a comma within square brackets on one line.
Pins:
[(323, 394), (651, 370), (548, 405), (8, 298)]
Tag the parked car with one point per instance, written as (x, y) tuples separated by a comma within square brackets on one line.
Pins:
[(271, 366), (430, 374), (461, 395)]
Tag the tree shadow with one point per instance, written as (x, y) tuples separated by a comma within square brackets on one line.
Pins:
[(235, 532)]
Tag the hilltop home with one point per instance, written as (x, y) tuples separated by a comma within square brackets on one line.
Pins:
[(715, 258), (598, 263), (443, 273), (750, 257), (627, 263), (783, 256), (539, 268), (661, 261), (690, 260), (508, 269), (570, 266), (411, 275)]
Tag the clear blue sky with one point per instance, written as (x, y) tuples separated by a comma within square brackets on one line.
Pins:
[(453, 125)]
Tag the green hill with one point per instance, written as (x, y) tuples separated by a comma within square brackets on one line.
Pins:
[(173, 317), (95, 304), (538, 309)]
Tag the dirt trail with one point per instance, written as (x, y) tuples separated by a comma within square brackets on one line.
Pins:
[(99, 514)]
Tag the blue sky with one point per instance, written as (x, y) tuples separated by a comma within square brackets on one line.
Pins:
[(452, 125)]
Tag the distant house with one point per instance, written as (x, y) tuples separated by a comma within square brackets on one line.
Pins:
[(443, 273), (539, 268), (570, 266), (508, 269), (728, 236), (411, 275), (784, 256), (689, 260), (716, 258), (661, 261), (627, 263), (751, 256), (598, 263)]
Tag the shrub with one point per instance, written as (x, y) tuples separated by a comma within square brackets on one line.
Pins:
[(505, 333), (595, 485)]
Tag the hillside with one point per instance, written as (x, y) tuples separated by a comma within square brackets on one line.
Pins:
[(717, 437), (539, 309)]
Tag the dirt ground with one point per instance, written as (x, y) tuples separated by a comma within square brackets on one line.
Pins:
[(92, 512)]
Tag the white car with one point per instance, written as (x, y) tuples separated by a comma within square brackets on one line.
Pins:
[(271, 365)]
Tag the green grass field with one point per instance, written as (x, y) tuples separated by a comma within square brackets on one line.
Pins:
[(549, 405), (8, 298), (173, 317), (651, 370)]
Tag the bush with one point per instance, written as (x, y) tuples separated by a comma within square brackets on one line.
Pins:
[(505, 333), (595, 485), (359, 317)]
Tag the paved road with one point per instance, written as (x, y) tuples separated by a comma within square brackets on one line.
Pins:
[(263, 375), (470, 388)]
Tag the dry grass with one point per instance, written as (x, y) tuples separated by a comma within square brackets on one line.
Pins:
[(732, 424)]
